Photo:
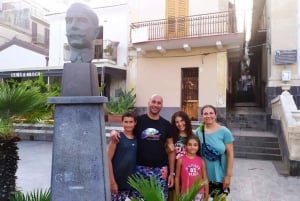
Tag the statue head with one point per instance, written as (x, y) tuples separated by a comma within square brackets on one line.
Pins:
[(82, 27)]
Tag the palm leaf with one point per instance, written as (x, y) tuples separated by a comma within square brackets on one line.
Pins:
[(35, 195), (17, 101), (39, 195), (221, 197), (150, 189), (191, 194), (18, 196)]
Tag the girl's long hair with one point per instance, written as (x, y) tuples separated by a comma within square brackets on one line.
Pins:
[(188, 125)]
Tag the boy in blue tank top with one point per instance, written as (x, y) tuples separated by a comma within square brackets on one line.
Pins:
[(122, 159)]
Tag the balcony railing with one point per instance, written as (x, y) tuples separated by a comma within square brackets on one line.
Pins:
[(110, 50), (186, 27)]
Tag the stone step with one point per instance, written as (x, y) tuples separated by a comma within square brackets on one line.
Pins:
[(260, 156), (41, 132), (250, 143), (256, 145), (251, 149), (247, 117), (257, 138), (34, 126), (32, 134)]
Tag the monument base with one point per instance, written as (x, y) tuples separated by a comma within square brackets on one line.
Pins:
[(79, 162)]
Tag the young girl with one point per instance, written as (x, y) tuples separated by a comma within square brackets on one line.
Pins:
[(183, 129), (189, 167)]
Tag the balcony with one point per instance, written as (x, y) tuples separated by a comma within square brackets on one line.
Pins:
[(110, 50), (197, 31), (103, 50)]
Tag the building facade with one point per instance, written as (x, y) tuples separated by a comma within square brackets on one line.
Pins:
[(185, 51), (274, 48), (110, 48), (24, 33)]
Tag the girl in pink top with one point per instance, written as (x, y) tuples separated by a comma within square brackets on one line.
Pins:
[(189, 167)]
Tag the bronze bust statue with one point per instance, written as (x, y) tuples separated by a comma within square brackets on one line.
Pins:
[(82, 27)]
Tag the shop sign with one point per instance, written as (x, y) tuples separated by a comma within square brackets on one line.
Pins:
[(25, 74)]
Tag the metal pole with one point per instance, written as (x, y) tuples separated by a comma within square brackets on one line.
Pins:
[(102, 79), (48, 78)]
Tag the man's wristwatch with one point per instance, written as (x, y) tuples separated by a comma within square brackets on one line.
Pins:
[(172, 173)]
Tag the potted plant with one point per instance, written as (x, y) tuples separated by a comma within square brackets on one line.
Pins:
[(16, 100), (117, 106)]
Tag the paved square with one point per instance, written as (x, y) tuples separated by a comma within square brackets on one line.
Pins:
[(253, 180)]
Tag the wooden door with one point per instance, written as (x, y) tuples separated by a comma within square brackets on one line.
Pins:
[(189, 92)]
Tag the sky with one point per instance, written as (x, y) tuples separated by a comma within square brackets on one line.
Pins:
[(61, 5), (246, 5)]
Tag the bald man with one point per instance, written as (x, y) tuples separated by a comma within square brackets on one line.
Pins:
[(153, 133), (82, 28)]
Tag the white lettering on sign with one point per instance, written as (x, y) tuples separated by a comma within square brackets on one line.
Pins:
[(25, 74)]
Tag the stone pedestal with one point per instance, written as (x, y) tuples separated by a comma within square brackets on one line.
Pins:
[(79, 162), (79, 79)]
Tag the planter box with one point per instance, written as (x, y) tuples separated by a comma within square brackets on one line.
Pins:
[(116, 118)]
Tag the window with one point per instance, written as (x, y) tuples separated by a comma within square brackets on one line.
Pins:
[(176, 12)]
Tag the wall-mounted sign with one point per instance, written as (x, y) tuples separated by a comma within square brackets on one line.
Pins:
[(285, 56), (25, 74)]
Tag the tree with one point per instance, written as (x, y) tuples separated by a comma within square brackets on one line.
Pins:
[(15, 101)]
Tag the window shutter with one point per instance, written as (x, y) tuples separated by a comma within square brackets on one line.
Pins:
[(176, 12)]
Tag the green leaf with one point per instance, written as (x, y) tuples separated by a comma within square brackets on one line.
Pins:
[(201, 127), (150, 189), (221, 197), (16, 100), (35, 195), (124, 103)]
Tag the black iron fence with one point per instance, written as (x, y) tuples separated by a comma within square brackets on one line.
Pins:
[(190, 26)]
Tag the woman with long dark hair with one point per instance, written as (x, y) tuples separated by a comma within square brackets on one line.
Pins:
[(182, 126)]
